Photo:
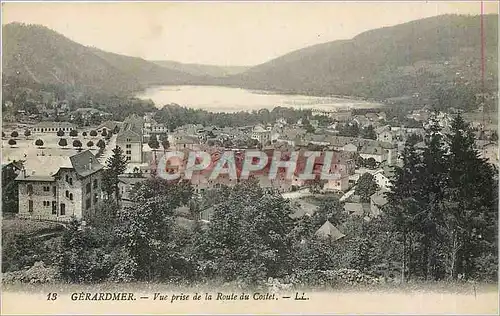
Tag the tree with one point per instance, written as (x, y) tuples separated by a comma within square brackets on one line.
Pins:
[(249, 236), (104, 133), (414, 139), (403, 207), (165, 143), (12, 142), (366, 186), (14, 134), (370, 163), (101, 144), (470, 203), (93, 133), (90, 144), (79, 120), (10, 194), (3, 134), (27, 133), (332, 210), (78, 144), (153, 142), (149, 232), (115, 166), (368, 132), (60, 133), (316, 185), (494, 136), (73, 133), (39, 143), (84, 134), (63, 142)]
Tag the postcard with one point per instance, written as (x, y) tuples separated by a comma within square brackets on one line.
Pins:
[(250, 158)]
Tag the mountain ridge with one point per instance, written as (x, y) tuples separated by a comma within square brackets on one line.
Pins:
[(401, 60)]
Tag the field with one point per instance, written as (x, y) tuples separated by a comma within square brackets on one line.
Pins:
[(26, 145)]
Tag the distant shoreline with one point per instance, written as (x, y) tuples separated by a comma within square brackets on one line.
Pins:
[(219, 101)]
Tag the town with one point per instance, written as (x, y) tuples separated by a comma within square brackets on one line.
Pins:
[(59, 165), (364, 163)]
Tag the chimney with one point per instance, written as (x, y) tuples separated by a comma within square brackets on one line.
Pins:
[(24, 172), (90, 163)]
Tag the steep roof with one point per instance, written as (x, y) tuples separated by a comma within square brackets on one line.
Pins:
[(85, 163), (378, 198), (44, 168), (354, 208), (133, 135), (329, 231)]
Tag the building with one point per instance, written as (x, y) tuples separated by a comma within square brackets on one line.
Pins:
[(375, 152), (385, 135), (382, 180), (328, 231), (261, 134), (130, 140), (108, 126), (52, 127), (126, 186), (60, 187), (186, 142)]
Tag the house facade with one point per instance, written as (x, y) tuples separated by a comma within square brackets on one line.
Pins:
[(131, 144), (53, 127), (261, 134), (59, 188)]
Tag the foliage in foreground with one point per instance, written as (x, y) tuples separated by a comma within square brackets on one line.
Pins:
[(440, 224)]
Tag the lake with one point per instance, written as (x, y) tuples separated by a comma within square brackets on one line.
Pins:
[(225, 99)]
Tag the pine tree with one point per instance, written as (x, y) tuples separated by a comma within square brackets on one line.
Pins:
[(470, 209), (115, 166), (434, 180), (404, 203)]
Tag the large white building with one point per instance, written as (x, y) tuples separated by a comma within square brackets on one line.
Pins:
[(60, 187)]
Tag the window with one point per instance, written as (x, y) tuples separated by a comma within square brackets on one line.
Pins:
[(54, 190), (128, 139), (71, 181), (46, 189), (128, 146), (67, 178), (87, 204), (30, 189), (128, 158), (128, 152), (63, 209), (67, 193), (54, 207), (95, 183), (71, 196), (87, 188), (30, 206)]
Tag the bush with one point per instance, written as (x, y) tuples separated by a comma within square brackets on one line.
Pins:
[(38, 273)]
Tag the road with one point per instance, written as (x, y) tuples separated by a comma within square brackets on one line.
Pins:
[(297, 194), (108, 150)]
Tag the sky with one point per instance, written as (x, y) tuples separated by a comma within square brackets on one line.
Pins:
[(222, 33)]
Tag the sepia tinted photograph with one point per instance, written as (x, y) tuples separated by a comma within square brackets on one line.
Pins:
[(250, 157)]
